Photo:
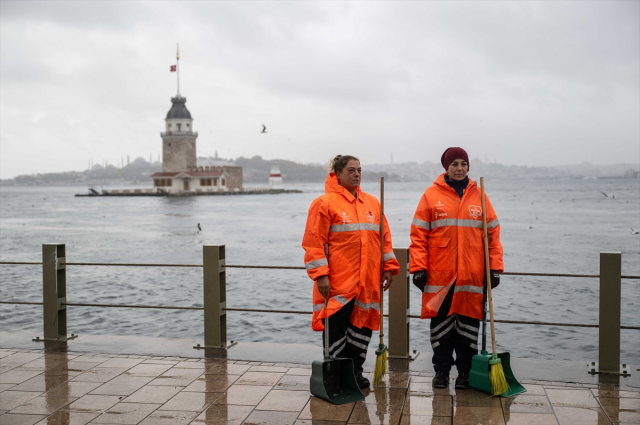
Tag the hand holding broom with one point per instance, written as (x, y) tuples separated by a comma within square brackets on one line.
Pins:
[(496, 376)]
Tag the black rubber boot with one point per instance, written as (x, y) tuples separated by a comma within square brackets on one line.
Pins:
[(362, 382), (441, 380), (462, 381)]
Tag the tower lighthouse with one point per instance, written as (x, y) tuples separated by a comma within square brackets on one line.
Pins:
[(179, 139)]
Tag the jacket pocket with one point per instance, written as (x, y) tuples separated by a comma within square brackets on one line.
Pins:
[(439, 254), (475, 257)]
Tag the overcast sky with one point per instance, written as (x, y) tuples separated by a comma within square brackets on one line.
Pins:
[(527, 83)]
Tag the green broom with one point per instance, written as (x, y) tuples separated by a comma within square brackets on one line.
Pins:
[(498, 380), (381, 352)]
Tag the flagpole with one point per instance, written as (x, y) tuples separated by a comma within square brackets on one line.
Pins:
[(178, 66)]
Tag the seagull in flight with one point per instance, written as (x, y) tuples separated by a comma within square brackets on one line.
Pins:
[(634, 231), (606, 196), (199, 228), (264, 128)]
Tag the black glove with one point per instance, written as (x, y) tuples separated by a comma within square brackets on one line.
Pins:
[(495, 278), (420, 279)]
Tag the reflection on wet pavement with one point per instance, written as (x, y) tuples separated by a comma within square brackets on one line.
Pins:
[(76, 388)]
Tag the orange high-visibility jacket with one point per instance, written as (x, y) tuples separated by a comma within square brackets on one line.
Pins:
[(447, 241), (342, 240)]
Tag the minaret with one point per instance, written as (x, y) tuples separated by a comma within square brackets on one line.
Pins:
[(179, 140)]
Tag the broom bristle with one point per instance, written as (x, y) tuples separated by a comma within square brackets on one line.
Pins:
[(499, 383), (381, 367)]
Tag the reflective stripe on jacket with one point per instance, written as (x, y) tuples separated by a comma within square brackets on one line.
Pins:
[(447, 242), (342, 240)]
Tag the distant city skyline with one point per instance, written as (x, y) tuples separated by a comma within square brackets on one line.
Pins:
[(521, 83)]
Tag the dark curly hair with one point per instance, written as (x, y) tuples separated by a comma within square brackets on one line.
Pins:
[(337, 164)]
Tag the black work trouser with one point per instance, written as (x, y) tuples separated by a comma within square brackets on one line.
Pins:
[(345, 340), (453, 333)]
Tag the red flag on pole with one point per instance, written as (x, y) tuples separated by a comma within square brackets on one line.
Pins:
[(173, 68)]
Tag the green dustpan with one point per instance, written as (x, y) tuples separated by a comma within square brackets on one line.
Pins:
[(480, 366), (480, 369), (333, 379)]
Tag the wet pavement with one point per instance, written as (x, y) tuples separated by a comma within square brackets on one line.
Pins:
[(54, 386)]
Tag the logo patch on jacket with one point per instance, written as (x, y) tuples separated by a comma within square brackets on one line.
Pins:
[(475, 211), (370, 217), (346, 218), (439, 210)]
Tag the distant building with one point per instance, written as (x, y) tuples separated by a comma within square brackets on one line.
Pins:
[(180, 171)]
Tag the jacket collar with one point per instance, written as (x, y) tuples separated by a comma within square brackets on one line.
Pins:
[(331, 185), (439, 181)]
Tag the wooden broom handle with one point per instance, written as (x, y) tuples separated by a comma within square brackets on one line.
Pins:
[(381, 258), (486, 264)]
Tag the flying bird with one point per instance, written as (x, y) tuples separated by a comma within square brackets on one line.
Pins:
[(199, 228), (606, 196), (634, 231), (264, 129)]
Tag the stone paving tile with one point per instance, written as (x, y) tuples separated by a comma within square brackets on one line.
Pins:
[(177, 377), (436, 405), (12, 399), (91, 359), (263, 368), (260, 378), (212, 383), (122, 385), (93, 403), (284, 401), (153, 394), (615, 393), (47, 362), (478, 415), (99, 374), (18, 419), (316, 422), (4, 387), (533, 389), (193, 402), (73, 389), (299, 371), (530, 419), (121, 363), (571, 398), (294, 382), (245, 395), (157, 361), (227, 369), (72, 368), (44, 405), (472, 398), (364, 413), (149, 370), (126, 413), (384, 396), (527, 404), (15, 376), (394, 380), (318, 409), (580, 416), (41, 383), (68, 418), (192, 365), (621, 409), (425, 420), (18, 359), (258, 417), (167, 417), (222, 414)]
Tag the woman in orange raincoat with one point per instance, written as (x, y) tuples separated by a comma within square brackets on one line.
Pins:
[(447, 262), (342, 256)]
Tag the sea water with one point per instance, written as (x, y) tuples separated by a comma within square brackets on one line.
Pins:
[(547, 226)]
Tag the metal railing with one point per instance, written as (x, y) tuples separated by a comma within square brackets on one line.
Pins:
[(215, 309)]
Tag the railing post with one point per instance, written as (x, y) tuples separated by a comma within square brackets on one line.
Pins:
[(609, 326), (54, 293), (399, 309), (610, 294), (215, 297)]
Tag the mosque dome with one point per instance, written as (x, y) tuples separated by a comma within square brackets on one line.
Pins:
[(178, 109)]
